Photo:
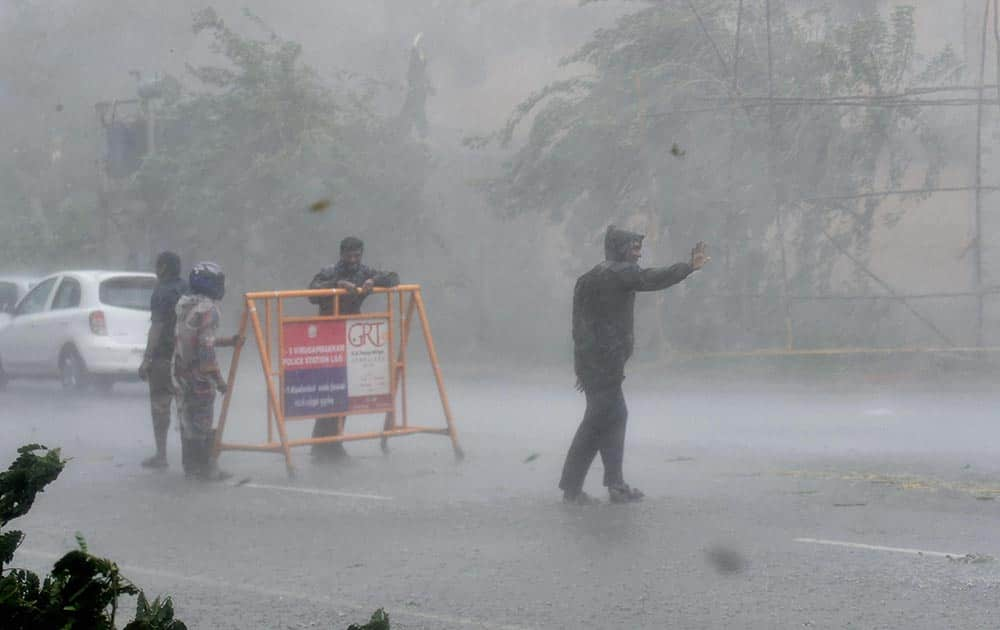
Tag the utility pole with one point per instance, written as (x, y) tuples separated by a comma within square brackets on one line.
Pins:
[(977, 253), (779, 194)]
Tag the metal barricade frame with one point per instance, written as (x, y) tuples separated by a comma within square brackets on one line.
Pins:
[(400, 319)]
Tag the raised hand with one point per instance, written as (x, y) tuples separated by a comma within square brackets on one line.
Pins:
[(699, 256)]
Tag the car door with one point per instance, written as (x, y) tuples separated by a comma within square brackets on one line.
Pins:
[(19, 340), (55, 326)]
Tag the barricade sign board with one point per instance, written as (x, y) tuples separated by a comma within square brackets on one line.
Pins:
[(314, 364), (368, 377), (334, 366)]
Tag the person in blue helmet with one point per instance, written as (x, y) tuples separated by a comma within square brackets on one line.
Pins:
[(197, 376), (603, 339)]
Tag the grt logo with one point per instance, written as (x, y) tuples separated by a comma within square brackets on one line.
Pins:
[(366, 333)]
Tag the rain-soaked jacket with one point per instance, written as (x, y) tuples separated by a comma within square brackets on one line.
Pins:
[(328, 277), (603, 310), (196, 369)]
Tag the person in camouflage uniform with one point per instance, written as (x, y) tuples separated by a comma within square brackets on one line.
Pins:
[(359, 280), (603, 340), (156, 362), (196, 371)]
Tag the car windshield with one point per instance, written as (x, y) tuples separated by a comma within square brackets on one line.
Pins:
[(128, 292)]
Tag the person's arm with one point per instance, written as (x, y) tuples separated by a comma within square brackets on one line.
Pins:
[(385, 278), (376, 278), (323, 280), (152, 340), (153, 336), (228, 342), (658, 278)]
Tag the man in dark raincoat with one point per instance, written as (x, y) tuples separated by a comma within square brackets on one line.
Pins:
[(603, 339), (156, 361), (359, 281)]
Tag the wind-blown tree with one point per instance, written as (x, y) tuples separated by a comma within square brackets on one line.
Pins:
[(658, 136), (46, 173), (261, 159)]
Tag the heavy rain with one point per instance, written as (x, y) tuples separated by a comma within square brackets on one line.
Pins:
[(500, 314)]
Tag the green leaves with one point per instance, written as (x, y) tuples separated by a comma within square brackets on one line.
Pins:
[(25, 478), (158, 615), (258, 137), (9, 542), (82, 590), (378, 621)]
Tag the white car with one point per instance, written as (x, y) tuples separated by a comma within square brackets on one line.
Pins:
[(80, 326)]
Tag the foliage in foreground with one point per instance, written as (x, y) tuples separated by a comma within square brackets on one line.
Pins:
[(379, 621), (82, 590)]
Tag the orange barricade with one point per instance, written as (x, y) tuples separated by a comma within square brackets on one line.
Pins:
[(334, 366)]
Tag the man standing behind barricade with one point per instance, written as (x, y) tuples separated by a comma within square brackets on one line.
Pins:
[(196, 372), (358, 280), (155, 366), (603, 338)]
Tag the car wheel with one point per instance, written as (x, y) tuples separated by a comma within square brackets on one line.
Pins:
[(72, 371)]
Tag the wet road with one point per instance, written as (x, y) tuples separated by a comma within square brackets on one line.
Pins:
[(784, 508)]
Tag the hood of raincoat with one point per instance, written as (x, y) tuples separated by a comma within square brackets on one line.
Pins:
[(617, 243)]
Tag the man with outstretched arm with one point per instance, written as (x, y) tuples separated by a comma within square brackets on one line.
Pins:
[(603, 339)]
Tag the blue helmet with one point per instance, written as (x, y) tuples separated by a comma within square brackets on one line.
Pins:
[(207, 279)]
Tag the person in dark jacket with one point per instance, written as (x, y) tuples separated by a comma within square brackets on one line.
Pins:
[(359, 281), (603, 339), (156, 362)]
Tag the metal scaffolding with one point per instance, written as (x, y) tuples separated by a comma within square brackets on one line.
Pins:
[(936, 96)]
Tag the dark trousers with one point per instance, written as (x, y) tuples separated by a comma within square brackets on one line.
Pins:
[(601, 431), (161, 395), (327, 427)]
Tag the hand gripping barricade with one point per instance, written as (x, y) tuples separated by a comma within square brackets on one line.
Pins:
[(334, 366)]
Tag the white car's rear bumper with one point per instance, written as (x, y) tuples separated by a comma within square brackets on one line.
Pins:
[(105, 356)]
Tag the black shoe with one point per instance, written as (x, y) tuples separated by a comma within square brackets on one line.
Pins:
[(156, 462), (209, 466), (214, 474), (579, 498), (624, 494), (190, 457)]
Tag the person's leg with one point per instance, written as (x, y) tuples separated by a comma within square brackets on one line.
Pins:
[(196, 424), (161, 395), (612, 448), (210, 465), (186, 404), (201, 433), (326, 427), (613, 453), (586, 443)]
